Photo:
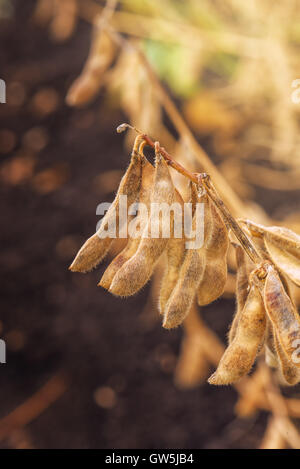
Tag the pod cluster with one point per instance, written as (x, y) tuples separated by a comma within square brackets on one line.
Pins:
[(266, 317), (189, 272)]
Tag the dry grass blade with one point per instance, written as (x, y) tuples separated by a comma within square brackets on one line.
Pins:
[(273, 438), (34, 406), (87, 85)]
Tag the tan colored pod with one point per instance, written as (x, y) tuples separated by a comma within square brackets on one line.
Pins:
[(273, 438), (271, 356), (97, 246), (190, 275), (283, 247), (135, 273), (290, 372), (243, 268), (240, 355), (101, 55), (133, 243), (175, 254), (283, 314), (214, 277)]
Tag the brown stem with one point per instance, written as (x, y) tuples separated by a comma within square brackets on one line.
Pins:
[(229, 220)]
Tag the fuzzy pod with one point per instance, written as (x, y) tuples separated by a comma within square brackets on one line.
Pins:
[(97, 246), (214, 277), (175, 252), (283, 247), (133, 243), (136, 272), (240, 355), (282, 314), (190, 275), (87, 85), (289, 371), (271, 356), (243, 268)]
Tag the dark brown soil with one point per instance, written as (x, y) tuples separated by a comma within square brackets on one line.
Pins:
[(65, 321)]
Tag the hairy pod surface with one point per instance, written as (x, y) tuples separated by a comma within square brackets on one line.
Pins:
[(283, 247), (214, 277), (190, 275), (133, 243), (290, 372), (241, 353), (135, 273), (175, 252), (97, 246), (271, 356), (243, 268), (101, 55), (282, 313)]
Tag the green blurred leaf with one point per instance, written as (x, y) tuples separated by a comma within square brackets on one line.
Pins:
[(175, 65)]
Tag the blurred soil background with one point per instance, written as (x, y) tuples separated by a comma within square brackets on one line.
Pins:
[(110, 361)]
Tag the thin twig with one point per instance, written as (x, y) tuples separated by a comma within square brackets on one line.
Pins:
[(34, 406)]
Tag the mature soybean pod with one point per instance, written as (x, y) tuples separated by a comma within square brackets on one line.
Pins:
[(290, 372), (282, 313), (97, 246), (190, 275), (133, 242), (175, 254), (135, 273), (283, 247), (271, 356), (241, 353), (242, 287), (215, 271)]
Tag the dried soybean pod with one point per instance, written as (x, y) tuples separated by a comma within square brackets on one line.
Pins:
[(175, 254), (242, 287), (282, 313), (241, 353), (135, 273), (133, 243), (290, 372), (181, 299), (97, 246), (283, 247), (271, 356), (87, 85), (214, 277)]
